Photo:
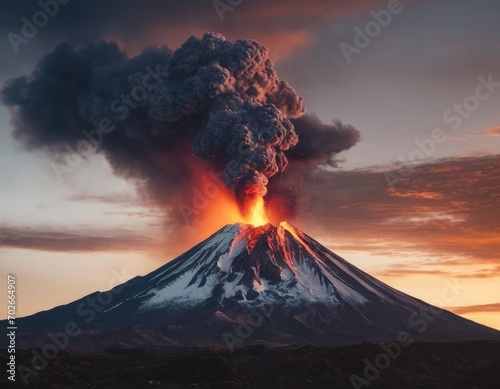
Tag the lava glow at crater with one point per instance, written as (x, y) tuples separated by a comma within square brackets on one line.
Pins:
[(256, 214)]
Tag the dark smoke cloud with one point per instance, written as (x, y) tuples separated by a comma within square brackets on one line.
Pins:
[(319, 142), (242, 108), (71, 89), (219, 100)]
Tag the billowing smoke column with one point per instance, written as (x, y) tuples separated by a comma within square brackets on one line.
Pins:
[(221, 101), (242, 108)]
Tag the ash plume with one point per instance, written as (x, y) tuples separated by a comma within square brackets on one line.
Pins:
[(220, 101), (319, 143)]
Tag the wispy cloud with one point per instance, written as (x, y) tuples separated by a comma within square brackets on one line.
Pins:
[(416, 194), (462, 270), (404, 272), (492, 131), (82, 240), (428, 217), (116, 198), (475, 308)]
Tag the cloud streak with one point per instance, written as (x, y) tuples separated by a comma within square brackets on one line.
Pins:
[(440, 268), (492, 131), (476, 308), (82, 240)]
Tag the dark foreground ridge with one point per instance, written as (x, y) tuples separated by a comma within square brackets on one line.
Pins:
[(420, 365)]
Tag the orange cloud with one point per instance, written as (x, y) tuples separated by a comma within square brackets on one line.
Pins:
[(444, 169), (284, 27), (455, 269), (475, 308), (492, 131), (415, 194), (404, 272)]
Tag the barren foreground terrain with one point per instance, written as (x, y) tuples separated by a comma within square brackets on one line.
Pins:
[(420, 365)]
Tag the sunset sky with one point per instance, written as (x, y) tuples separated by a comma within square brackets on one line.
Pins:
[(415, 203)]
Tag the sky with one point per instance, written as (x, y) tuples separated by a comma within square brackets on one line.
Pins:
[(415, 202)]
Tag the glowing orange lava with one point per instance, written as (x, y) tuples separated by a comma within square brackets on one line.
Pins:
[(208, 204), (257, 214), (213, 204), (224, 209)]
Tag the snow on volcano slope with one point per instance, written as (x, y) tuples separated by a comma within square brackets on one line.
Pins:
[(271, 264)]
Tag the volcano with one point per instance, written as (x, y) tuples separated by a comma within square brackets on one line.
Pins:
[(269, 285)]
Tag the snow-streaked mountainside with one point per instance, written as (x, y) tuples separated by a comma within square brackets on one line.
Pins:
[(283, 284), (232, 262)]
